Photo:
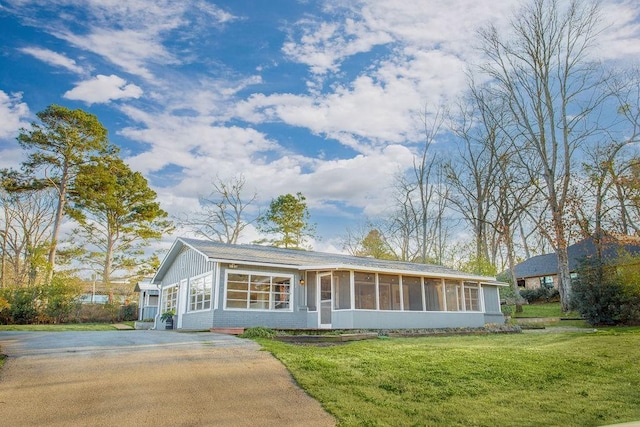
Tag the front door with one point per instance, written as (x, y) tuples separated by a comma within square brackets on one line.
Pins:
[(326, 300)]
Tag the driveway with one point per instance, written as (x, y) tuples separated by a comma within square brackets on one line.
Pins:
[(147, 378)]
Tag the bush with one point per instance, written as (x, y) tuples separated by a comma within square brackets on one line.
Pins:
[(59, 300), (22, 305), (602, 297), (93, 313), (128, 313), (258, 332), (541, 294)]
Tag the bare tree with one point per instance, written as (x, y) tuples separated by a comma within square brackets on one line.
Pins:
[(224, 212), (543, 72), (417, 229), (473, 173), (27, 219)]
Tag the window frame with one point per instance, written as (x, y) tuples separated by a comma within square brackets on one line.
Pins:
[(199, 303), (168, 303), (275, 290), (467, 289)]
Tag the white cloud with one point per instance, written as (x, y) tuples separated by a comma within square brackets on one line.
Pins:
[(323, 45), (53, 58), (193, 143), (102, 89), (131, 50), (620, 40), (361, 26), (13, 114)]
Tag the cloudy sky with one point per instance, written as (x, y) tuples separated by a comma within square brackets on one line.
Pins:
[(321, 97)]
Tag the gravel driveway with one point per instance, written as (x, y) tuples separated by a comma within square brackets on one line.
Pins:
[(147, 378)]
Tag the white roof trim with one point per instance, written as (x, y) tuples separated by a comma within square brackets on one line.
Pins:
[(483, 279)]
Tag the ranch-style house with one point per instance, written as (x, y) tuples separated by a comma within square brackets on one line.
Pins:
[(218, 286)]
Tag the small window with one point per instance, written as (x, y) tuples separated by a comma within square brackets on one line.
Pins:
[(200, 292), (471, 293), (546, 282), (169, 298)]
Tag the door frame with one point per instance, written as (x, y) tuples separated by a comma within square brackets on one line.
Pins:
[(319, 277), (181, 303)]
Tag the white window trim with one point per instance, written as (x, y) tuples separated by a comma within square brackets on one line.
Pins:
[(260, 273), (162, 304), (204, 276)]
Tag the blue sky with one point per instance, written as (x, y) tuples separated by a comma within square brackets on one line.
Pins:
[(321, 97)]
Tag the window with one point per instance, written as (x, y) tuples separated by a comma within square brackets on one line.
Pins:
[(471, 292), (411, 293), (342, 290), (258, 291), (200, 293), (389, 292), (365, 290), (433, 294), (546, 282), (453, 294), (169, 298)]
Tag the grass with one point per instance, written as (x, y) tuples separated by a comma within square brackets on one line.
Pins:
[(551, 309), (571, 379), (60, 327)]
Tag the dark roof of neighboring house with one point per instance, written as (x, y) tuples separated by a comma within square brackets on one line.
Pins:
[(304, 260), (547, 265)]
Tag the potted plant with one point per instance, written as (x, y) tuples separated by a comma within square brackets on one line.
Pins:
[(167, 317)]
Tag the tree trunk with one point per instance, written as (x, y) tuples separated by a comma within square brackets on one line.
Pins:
[(564, 278), (62, 198)]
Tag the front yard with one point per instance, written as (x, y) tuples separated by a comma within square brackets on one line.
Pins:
[(568, 379)]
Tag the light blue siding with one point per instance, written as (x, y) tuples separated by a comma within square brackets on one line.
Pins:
[(189, 263), (360, 319)]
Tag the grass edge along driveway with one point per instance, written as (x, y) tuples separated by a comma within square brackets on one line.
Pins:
[(567, 379)]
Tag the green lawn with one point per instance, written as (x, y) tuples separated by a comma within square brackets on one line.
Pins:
[(571, 379), (551, 309), (62, 327)]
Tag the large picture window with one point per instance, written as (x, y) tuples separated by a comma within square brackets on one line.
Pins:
[(169, 298), (200, 292), (258, 291)]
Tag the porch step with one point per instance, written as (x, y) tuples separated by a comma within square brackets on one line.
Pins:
[(227, 331)]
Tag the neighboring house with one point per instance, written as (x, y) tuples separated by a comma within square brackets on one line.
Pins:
[(215, 285), (97, 292), (542, 270), (148, 300)]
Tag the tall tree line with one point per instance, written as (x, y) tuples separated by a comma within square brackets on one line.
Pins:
[(73, 174), (544, 145)]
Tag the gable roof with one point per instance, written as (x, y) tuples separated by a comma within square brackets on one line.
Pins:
[(547, 265), (304, 260)]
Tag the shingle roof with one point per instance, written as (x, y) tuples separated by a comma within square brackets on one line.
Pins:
[(305, 260), (547, 265)]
